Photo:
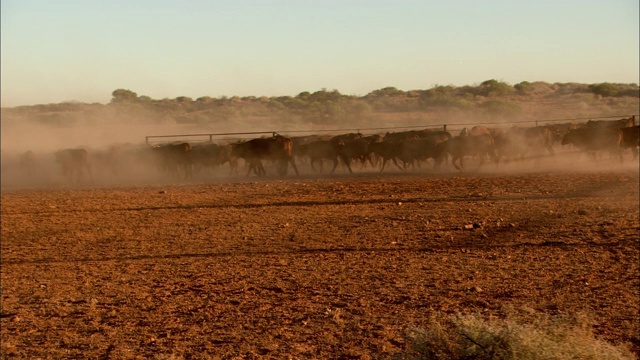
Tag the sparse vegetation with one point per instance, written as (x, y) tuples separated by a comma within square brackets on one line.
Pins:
[(522, 334), (491, 99)]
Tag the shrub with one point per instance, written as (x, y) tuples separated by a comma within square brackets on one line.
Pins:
[(604, 89), (501, 108), (609, 89), (518, 336), (494, 88)]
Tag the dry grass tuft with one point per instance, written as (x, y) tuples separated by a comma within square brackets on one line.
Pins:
[(520, 335)]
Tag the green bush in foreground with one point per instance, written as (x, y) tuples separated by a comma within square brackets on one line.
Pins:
[(518, 336)]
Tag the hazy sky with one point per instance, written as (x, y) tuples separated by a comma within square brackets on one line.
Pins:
[(72, 50)]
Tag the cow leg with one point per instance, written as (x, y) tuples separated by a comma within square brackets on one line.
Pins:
[(293, 165), (619, 151), (550, 150), (347, 161), (88, 168), (233, 167), (384, 162), (453, 161), (258, 168), (335, 165)]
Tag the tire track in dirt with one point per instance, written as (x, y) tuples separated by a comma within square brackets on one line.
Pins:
[(324, 203)]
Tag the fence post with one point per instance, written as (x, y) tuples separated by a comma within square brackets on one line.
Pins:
[(445, 127)]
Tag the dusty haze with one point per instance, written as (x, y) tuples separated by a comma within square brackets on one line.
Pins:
[(44, 129)]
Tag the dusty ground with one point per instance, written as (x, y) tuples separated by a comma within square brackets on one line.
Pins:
[(311, 267)]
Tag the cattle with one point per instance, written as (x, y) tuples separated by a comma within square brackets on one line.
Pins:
[(461, 146), (630, 139), (593, 139), (209, 156), (611, 124), (346, 137), (278, 149), (517, 142), (388, 150), (119, 157), (318, 151), (476, 130), (174, 160), (353, 149), (299, 141), (404, 135), (74, 163), (559, 130), (412, 150), (27, 162), (417, 150)]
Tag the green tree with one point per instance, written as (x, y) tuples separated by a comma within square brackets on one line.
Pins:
[(604, 89), (494, 88), (123, 95), (388, 91)]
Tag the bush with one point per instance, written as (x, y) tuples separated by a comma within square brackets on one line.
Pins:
[(494, 88), (501, 108), (524, 335), (604, 89), (609, 89)]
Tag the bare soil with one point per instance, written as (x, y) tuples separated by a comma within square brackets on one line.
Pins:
[(312, 266)]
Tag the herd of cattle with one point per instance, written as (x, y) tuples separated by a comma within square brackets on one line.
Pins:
[(406, 150)]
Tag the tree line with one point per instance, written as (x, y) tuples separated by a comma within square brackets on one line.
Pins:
[(490, 99)]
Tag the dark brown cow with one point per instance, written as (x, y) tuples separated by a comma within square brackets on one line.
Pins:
[(74, 163), (388, 150), (518, 142), (175, 160), (347, 137), (411, 150), (318, 151), (353, 149), (461, 146), (299, 141), (209, 156), (560, 130), (120, 157), (593, 139), (278, 149), (414, 151), (630, 139), (611, 124), (404, 135), (428, 147)]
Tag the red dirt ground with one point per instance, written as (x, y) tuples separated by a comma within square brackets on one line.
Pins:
[(311, 267)]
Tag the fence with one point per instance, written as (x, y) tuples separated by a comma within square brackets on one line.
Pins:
[(446, 127)]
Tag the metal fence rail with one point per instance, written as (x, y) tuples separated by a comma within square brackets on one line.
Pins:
[(204, 137)]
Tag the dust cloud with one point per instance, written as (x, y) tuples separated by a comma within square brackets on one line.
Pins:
[(40, 170)]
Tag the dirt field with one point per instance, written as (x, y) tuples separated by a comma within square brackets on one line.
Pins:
[(312, 267)]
